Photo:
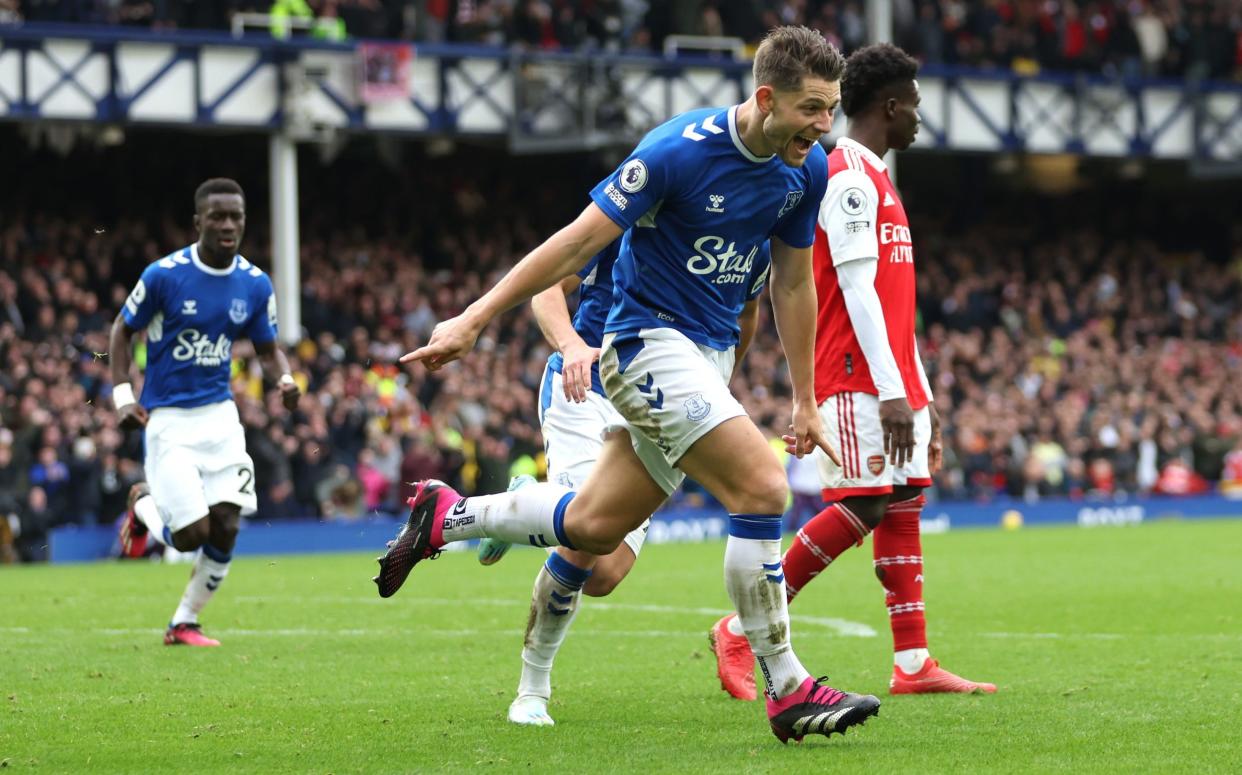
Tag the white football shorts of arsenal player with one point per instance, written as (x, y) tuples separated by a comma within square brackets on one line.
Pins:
[(852, 425)]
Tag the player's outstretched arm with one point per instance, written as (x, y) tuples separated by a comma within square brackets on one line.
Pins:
[(793, 308), (276, 368), (559, 256), (120, 358), (552, 315)]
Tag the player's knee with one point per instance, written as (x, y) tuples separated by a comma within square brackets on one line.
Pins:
[(191, 537), (601, 542), (225, 522), (597, 536), (764, 493), (869, 508), (604, 579)]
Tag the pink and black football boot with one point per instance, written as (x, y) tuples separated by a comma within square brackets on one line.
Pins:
[(187, 634), (420, 538), (818, 709)]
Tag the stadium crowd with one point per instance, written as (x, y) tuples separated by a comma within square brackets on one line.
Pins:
[(1179, 38), (1064, 364)]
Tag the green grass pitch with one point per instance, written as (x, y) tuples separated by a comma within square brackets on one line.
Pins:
[(1115, 649)]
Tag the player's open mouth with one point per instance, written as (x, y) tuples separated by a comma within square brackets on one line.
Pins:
[(803, 144)]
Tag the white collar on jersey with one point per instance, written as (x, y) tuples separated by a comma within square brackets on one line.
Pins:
[(737, 140), (198, 262), (865, 152)]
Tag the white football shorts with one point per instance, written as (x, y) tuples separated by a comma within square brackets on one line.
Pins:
[(852, 425), (573, 435), (670, 391), (196, 458)]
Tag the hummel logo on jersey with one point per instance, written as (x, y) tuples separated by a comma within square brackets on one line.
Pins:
[(888, 200), (189, 307), (708, 125), (717, 200)]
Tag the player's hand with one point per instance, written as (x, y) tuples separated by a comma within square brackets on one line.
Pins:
[(132, 416), (576, 371), (289, 395), (897, 426), (450, 340), (807, 433), (935, 447)]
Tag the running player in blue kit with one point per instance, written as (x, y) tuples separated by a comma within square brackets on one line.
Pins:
[(574, 415), (193, 304), (696, 200)]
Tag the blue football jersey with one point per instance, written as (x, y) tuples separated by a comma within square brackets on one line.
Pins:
[(594, 300), (698, 207), (192, 314)]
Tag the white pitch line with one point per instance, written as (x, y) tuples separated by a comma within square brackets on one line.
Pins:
[(1055, 635), (305, 632), (302, 632), (1208, 636), (843, 627)]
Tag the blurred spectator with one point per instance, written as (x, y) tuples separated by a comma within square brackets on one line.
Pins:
[(35, 520), (806, 491), (10, 12), (85, 498), (340, 495), (51, 476), (375, 483), (1231, 477), (1177, 478)]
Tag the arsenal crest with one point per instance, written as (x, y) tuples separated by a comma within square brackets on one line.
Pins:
[(875, 464)]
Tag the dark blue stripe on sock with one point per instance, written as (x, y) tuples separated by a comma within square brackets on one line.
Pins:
[(167, 536), (564, 571), (215, 554), (558, 520), (762, 527)]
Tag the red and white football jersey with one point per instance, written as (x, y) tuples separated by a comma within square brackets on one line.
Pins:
[(861, 216)]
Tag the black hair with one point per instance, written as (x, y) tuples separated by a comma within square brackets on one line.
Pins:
[(216, 186), (869, 71)]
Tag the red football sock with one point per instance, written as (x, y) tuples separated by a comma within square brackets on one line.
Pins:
[(899, 566), (818, 543)]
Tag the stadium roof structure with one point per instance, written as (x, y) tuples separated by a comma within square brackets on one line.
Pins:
[(310, 89)]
